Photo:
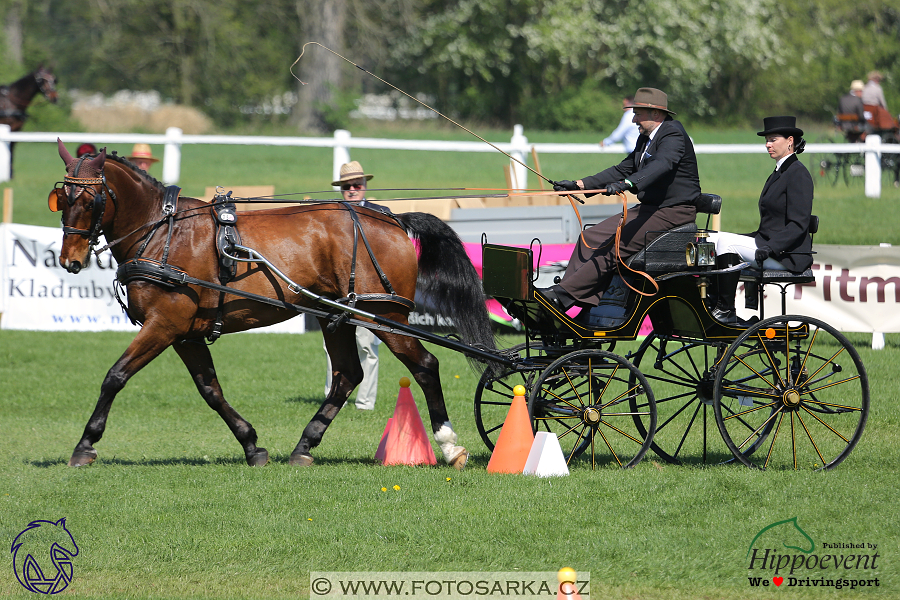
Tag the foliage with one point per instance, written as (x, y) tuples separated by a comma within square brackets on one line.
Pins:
[(586, 107), (493, 61)]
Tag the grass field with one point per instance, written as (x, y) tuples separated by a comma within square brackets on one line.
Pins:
[(170, 510)]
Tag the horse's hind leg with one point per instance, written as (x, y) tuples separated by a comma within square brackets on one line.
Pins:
[(147, 345), (423, 366), (198, 360), (346, 375)]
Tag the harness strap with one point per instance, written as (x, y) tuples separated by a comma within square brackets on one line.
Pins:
[(358, 226)]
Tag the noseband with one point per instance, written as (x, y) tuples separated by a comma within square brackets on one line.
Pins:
[(98, 206)]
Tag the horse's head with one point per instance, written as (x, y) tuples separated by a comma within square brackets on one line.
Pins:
[(82, 201), (46, 81)]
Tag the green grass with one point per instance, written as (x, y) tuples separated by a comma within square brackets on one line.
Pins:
[(170, 510), (847, 216)]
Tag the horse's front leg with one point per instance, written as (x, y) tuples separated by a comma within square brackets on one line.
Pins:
[(346, 374), (199, 363), (147, 345), (423, 366)]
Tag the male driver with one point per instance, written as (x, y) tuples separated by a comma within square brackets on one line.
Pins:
[(661, 171)]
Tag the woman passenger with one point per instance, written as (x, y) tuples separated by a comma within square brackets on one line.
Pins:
[(782, 241)]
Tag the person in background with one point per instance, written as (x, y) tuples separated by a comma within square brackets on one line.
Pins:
[(872, 94), (782, 241), (142, 157), (85, 148), (662, 172), (353, 182), (627, 132), (851, 114)]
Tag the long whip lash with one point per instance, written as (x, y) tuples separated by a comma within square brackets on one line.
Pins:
[(570, 196), (437, 112)]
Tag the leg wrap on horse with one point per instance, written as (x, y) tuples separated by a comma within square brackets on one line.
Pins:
[(446, 439)]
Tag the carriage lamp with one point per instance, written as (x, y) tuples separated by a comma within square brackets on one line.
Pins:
[(701, 253)]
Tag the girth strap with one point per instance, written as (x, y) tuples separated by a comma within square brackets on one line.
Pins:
[(358, 232)]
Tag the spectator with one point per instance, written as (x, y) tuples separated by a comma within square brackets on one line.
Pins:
[(878, 115), (353, 181), (142, 156), (85, 148), (627, 132)]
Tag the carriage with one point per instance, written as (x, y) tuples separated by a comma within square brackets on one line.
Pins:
[(787, 392)]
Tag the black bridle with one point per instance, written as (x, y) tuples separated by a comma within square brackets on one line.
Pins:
[(74, 187)]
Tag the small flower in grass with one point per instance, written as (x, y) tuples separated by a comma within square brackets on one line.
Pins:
[(457, 376), (448, 479), (396, 488), (384, 489), (309, 518)]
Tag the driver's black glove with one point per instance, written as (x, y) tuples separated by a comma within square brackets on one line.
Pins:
[(762, 254), (565, 186), (614, 188)]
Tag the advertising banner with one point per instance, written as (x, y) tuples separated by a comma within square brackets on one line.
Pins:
[(38, 294)]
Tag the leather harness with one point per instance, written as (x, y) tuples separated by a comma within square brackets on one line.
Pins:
[(159, 272)]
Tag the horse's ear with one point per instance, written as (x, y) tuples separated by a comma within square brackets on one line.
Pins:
[(63, 153), (98, 161)]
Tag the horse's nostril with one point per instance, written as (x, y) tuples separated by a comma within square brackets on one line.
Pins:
[(74, 267)]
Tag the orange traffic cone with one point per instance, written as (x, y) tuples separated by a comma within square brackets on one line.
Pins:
[(379, 454), (516, 437), (568, 588), (407, 441)]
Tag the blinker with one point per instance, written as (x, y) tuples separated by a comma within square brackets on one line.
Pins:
[(55, 199)]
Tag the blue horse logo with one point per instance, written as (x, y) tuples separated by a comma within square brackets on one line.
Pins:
[(39, 539)]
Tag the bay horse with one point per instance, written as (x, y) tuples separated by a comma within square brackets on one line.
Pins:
[(15, 98), (312, 245)]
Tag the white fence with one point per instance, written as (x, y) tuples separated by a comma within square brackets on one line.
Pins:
[(518, 147)]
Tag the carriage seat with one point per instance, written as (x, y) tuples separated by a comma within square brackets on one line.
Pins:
[(755, 279), (665, 253)]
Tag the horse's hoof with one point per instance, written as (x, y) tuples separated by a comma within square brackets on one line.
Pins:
[(300, 460), (459, 463), (82, 459), (260, 458)]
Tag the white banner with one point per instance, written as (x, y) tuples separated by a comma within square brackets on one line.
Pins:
[(857, 288), (38, 294)]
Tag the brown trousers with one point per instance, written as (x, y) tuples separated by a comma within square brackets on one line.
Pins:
[(590, 271)]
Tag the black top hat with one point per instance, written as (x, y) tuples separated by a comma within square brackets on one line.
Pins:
[(783, 125)]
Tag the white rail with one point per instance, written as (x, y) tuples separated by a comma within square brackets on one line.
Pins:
[(518, 147)]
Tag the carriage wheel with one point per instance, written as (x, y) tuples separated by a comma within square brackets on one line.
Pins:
[(585, 398), (494, 395), (791, 393), (682, 373)]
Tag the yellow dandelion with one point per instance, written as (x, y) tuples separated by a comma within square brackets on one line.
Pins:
[(384, 489), (397, 488), (448, 479), (457, 376), (309, 518)]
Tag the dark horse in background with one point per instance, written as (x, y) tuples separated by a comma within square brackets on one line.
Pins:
[(15, 98), (312, 244)]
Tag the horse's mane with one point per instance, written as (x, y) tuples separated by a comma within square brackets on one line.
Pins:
[(139, 171)]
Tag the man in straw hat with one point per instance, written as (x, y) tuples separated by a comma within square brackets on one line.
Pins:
[(661, 171), (142, 156), (352, 182)]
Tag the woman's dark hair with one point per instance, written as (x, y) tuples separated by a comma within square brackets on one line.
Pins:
[(799, 146)]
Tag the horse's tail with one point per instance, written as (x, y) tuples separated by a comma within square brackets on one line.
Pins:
[(448, 278)]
